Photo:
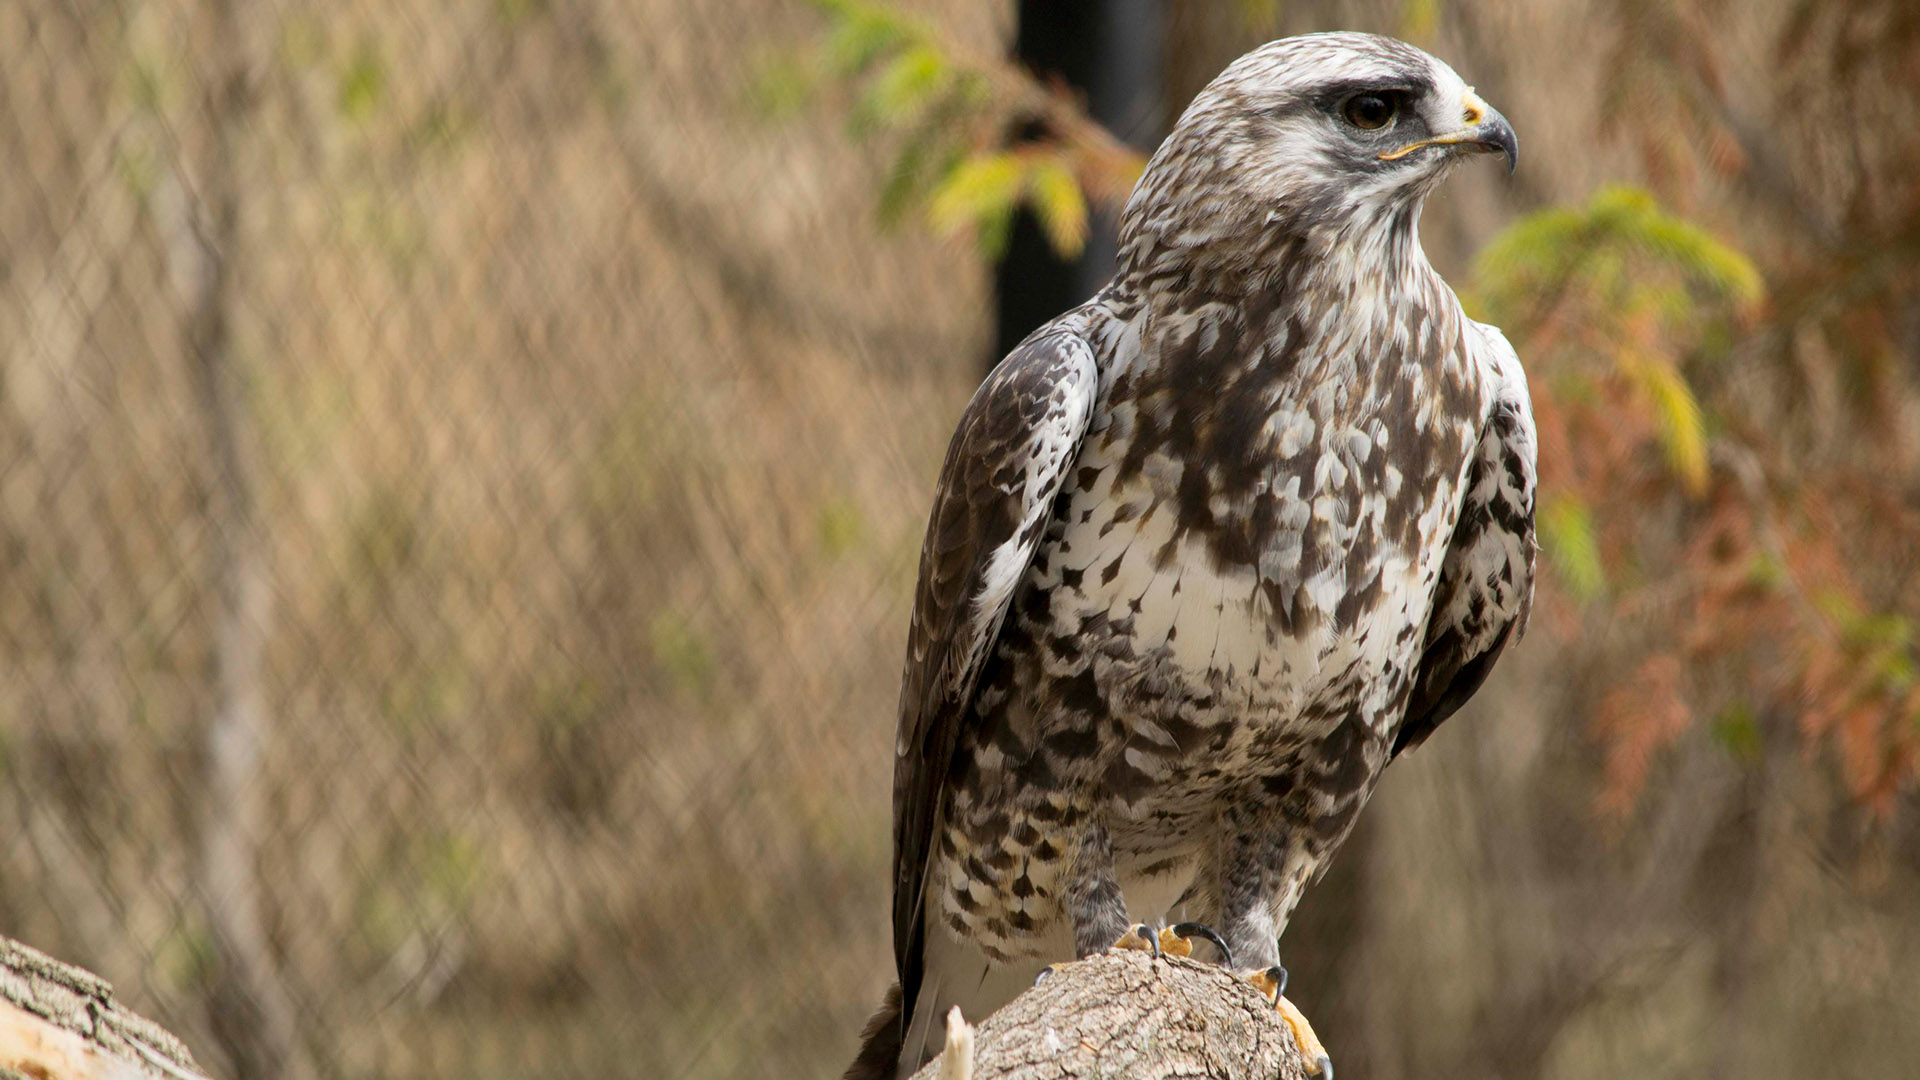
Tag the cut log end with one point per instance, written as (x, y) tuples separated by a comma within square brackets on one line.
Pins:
[(1127, 1014)]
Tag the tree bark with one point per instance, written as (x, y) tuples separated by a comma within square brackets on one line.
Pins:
[(1126, 1016), (58, 1022)]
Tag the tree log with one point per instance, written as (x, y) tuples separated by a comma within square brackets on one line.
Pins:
[(58, 1022), (1126, 1015)]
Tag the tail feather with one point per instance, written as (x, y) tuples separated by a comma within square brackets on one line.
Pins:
[(879, 1042)]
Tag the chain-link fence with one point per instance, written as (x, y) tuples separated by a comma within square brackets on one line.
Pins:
[(452, 553)]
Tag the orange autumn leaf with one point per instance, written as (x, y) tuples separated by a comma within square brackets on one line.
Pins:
[(1635, 721)]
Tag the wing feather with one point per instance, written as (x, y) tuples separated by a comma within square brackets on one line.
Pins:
[(1016, 442), (1485, 590)]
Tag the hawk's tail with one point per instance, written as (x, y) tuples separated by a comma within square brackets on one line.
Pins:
[(880, 1042)]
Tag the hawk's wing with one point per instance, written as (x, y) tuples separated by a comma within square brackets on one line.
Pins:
[(1486, 583), (1016, 441)]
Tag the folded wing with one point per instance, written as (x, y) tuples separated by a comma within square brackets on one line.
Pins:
[(1016, 442), (1486, 583)]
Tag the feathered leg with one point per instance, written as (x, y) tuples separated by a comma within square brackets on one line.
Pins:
[(1093, 901), (1095, 906), (1255, 877)]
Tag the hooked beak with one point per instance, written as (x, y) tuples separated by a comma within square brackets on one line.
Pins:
[(1484, 131)]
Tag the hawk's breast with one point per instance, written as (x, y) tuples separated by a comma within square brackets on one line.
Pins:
[(1233, 590), (1307, 562)]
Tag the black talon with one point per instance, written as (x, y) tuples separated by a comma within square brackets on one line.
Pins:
[(1201, 930), (1279, 976)]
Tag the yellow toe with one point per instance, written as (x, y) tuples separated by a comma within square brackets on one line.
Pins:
[(1268, 981), (1318, 1063)]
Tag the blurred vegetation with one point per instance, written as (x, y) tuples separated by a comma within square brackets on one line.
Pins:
[(572, 539), (950, 122)]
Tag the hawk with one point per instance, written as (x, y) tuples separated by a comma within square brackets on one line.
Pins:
[(1210, 550)]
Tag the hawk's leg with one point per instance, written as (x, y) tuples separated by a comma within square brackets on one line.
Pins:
[(1093, 902), (1257, 877), (1095, 905)]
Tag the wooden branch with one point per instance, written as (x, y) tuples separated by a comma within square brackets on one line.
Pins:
[(58, 1022), (1126, 1016)]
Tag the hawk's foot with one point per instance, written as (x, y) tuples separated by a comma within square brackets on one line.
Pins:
[(1177, 940), (1272, 985), (1139, 936), (1270, 982), (1046, 971)]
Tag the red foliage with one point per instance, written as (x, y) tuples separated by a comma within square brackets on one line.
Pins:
[(1637, 719), (1789, 587)]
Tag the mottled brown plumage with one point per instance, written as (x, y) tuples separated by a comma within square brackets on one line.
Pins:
[(1210, 549)]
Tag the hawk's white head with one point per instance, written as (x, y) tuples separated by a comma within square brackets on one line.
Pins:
[(1325, 133)]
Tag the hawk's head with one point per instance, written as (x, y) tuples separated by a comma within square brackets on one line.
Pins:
[(1345, 133)]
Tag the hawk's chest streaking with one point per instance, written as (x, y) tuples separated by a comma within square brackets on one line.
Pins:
[(1232, 593)]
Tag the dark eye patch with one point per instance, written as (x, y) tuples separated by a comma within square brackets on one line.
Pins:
[(1332, 97), (1403, 89)]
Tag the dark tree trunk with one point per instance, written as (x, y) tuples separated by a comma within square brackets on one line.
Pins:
[(1110, 51)]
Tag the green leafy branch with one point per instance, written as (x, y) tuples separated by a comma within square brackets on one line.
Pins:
[(1616, 293), (961, 159)]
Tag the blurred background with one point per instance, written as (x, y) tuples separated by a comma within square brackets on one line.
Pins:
[(462, 466)]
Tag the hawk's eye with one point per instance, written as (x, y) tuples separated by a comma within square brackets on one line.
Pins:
[(1370, 111)]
